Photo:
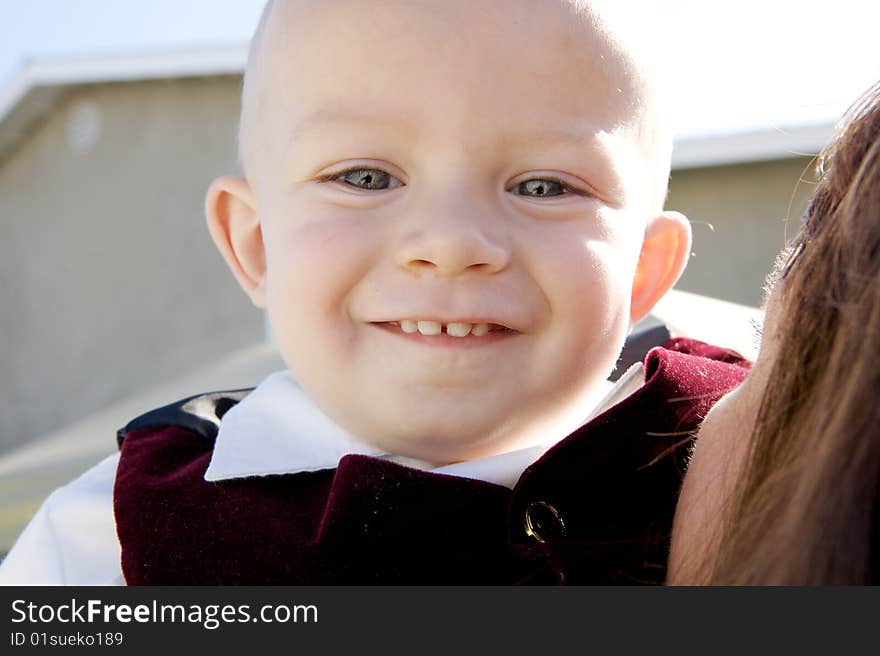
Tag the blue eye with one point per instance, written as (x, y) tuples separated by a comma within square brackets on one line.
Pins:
[(372, 179), (539, 188)]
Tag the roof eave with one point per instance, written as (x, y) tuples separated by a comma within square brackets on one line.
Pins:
[(32, 92), (763, 144)]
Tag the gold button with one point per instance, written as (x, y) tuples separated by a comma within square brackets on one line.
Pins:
[(543, 522)]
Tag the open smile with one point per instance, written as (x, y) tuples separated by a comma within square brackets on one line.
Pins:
[(453, 333)]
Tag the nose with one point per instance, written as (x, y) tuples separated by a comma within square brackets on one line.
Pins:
[(452, 242)]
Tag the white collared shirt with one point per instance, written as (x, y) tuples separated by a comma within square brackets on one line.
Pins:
[(276, 429)]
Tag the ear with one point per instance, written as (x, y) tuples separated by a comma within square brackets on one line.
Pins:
[(665, 252), (234, 224)]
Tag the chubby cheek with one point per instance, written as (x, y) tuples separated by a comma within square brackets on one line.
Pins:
[(312, 266), (587, 276)]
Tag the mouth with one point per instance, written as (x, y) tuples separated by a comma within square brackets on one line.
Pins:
[(448, 333)]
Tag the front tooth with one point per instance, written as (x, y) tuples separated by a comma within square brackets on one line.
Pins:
[(457, 329), (430, 327), (408, 326), (480, 329)]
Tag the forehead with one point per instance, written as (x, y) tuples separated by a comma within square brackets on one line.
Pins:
[(453, 56), (482, 72)]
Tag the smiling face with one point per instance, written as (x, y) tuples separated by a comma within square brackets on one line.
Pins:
[(444, 213)]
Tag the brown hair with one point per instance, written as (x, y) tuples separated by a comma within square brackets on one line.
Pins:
[(805, 511)]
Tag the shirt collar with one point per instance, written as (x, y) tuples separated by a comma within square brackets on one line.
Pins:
[(278, 429)]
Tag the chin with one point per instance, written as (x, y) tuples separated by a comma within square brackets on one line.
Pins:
[(443, 445)]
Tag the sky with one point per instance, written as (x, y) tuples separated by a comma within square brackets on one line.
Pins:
[(728, 66)]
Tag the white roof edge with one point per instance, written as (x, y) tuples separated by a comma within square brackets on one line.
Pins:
[(761, 144), (23, 89), (66, 71)]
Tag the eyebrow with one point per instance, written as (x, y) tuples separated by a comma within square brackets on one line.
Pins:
[(328, 118), (586, 135)]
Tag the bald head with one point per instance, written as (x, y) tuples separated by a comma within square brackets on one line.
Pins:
[(614, 43), (253, 96)]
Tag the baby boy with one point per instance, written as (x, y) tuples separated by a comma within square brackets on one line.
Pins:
[(452, 213)]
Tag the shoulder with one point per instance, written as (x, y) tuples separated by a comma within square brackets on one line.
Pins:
[(200, 414), (711, 320), (697, 348), (72, 538)]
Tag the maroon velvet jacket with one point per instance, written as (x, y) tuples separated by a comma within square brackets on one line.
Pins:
[(596, 508)]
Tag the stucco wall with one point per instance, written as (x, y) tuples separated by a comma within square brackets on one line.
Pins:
[(746, 206), (109, 280)]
